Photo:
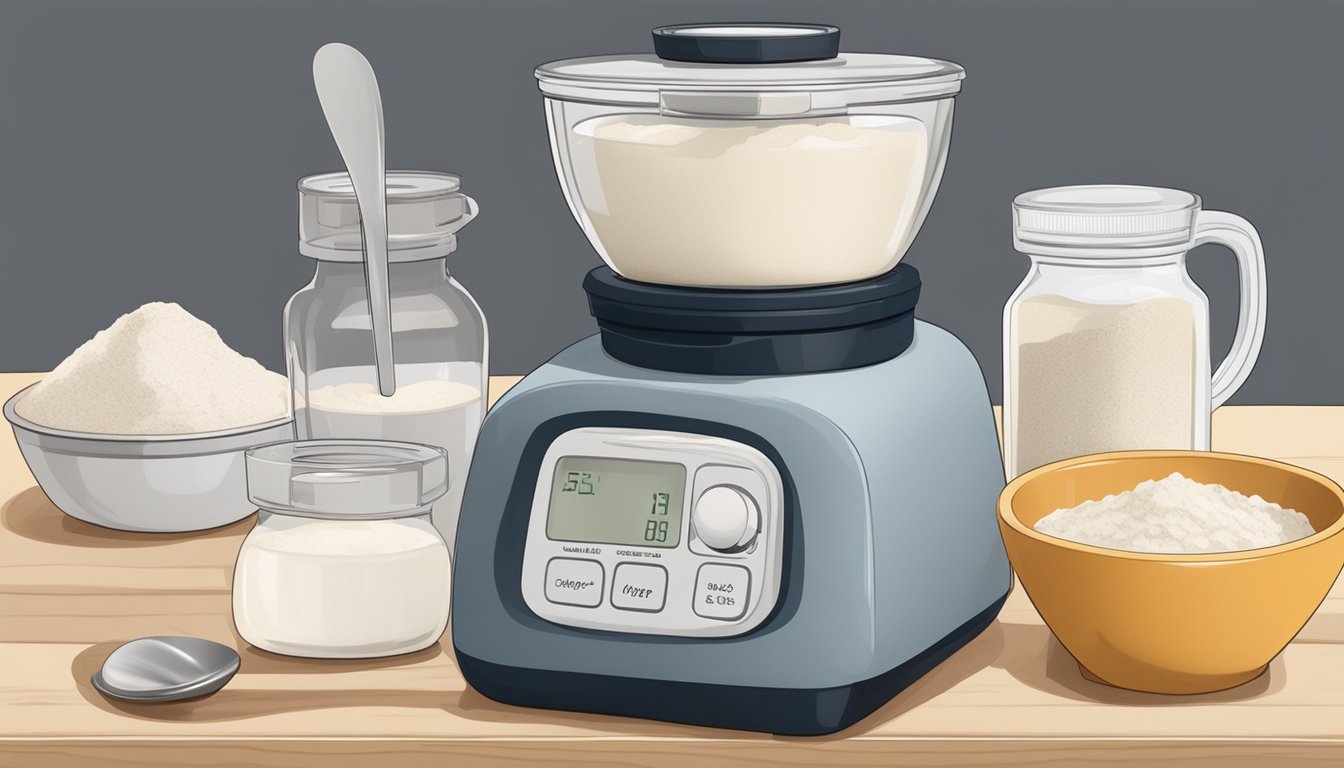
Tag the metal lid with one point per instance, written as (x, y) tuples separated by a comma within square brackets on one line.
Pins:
[(826, 85), (346, 479), (1104, 217), (424, 211)]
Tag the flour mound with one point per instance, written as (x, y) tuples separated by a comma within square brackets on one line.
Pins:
[(156, 371), (1176, 515)]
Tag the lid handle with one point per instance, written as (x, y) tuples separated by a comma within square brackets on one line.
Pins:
[(761, 43)]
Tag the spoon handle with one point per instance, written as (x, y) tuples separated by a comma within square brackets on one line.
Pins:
[(348, 90)]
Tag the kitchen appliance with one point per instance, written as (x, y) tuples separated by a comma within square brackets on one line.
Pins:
[(765, 509), (1106, 341)]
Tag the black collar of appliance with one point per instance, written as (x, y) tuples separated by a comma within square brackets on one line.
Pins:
[(717, 331)]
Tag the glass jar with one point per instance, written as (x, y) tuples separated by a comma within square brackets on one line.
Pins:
[(1106, 341), (344, 561), (439, 336)]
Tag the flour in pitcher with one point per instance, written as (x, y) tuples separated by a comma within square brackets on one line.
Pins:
[(1095, 377)]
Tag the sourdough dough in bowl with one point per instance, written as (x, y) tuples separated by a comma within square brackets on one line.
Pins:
[(709, 203)]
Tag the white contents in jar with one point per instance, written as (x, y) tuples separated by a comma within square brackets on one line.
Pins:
[(1176, 515), (342, 588), (442, 413), (728, 204), (1092, 378), (415, 397), (156, 371)]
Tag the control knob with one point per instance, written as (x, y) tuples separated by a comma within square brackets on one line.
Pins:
[(726, 519)]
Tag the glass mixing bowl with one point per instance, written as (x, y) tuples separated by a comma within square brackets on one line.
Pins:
[(749, 156)]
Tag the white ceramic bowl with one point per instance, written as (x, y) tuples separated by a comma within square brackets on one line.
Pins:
[(150, 483)]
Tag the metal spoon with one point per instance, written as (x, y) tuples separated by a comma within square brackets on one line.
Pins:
[(166, 669), (353, 105)]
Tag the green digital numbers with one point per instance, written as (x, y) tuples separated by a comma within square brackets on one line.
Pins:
[(578, 482), (655, 530)]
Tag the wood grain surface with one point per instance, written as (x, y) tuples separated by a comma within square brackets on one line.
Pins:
[(71, 592)]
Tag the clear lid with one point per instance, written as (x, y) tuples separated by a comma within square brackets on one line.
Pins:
[(424, 211), (1104, 217), (750, 60), (346, 479)]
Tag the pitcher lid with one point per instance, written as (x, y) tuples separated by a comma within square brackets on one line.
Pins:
[(1103, 217)]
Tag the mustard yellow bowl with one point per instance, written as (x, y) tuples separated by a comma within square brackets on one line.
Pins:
[(1172, 623)]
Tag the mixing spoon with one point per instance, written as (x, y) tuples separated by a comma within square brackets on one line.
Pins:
[(353, 106), (166, 669)]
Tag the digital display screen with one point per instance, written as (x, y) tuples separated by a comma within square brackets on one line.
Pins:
[(616, 501)]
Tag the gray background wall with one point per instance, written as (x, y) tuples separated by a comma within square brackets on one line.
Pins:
[(149, 149)]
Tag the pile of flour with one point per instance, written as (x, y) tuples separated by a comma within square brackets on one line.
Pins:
[(1176, 515), (156, 371)]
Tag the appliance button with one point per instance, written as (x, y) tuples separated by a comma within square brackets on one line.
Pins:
[(639, 587), (726, 518), (721, 591), (570, 581)]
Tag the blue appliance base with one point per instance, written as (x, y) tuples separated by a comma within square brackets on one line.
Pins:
[(786, 712)]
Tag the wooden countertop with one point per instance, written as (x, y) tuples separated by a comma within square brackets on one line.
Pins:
[(71, 592)]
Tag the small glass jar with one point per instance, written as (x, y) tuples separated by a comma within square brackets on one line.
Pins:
[(344, 561), (439, 336), (1106, 341)]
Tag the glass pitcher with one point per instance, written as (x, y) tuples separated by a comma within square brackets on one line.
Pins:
[(1106, 341), (439, 338)]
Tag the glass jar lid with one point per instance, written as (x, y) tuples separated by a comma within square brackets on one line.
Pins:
[(750, 70), (346, 479), (1103, 217), (425, 209)]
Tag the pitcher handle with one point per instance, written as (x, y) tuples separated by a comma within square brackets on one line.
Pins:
[(1237, 234)]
